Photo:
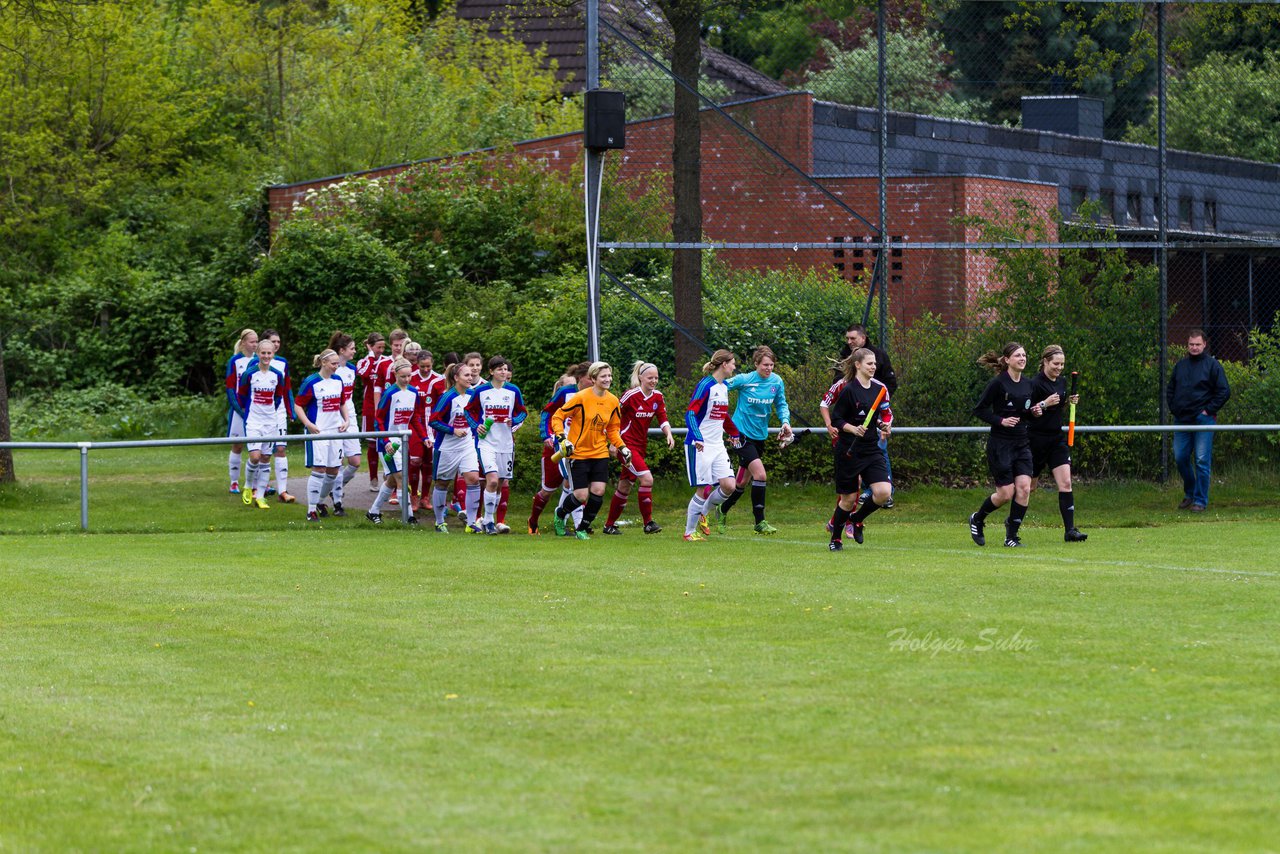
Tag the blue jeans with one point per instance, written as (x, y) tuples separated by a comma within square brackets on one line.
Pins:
[(1195, 472)]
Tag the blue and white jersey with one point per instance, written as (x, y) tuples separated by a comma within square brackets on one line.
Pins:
[(322, 400), (281, 364), (236, 367), (449, 413), (707, 414), (505, 406), (757, 398), (261, 398)]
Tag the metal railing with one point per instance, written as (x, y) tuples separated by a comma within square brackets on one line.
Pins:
[(85, 447)]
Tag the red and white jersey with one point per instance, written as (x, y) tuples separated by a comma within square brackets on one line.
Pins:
[(369, 369), (322, 400), (639, 413), (347, 372), (262, 395), (432, 387), (505, 406), (832, 393)]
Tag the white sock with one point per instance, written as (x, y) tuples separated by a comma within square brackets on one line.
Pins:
[(697, 506), (440, 504), (337, 488), (264, 478), (233, 463), (327, 486), (490, 505), (348, 472), (282, 474), (473, 509), (383, 494), (314, 484)]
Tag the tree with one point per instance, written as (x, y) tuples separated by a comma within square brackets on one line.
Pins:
[(916, 76), (1227, 106)]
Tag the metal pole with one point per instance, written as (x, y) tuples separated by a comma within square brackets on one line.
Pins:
[(1163, 237), (592, 172), (405, 510), (882, 143), (1249, 330), (1204, 289), (84, 485)]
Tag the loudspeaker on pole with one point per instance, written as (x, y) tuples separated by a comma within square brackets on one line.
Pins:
[(605, 119)]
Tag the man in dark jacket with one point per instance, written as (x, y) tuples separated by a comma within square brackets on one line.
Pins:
[(1197, 390)]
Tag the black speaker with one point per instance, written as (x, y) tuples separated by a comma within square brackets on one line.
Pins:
[(605, 120)]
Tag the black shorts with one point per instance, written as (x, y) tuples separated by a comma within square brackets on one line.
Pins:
[(865, 463), (751, 450), (582, 473), (1008, 460), (1049, 451)]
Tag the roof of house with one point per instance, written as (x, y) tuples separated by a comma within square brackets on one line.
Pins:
[(562, 29)]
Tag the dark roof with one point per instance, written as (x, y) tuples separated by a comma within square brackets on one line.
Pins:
[(562, 29)]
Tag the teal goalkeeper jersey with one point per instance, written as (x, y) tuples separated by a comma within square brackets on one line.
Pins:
[(757, 397)]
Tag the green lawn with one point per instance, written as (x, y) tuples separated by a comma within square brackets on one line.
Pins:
[(235, 681)]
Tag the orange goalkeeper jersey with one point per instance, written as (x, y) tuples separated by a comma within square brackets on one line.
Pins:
[(595, 422)]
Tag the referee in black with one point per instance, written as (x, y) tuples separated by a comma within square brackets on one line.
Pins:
[(1006, 405), (855, 337), (1048, 444), (857, 454)]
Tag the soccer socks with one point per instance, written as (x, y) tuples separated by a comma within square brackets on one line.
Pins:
[(645, 500), (339, 485), (728, 503), (864, 510), (490, 505), (838, 520), (757, 499), (282, 474), (539, 502), (473, 509), (348, 472), (567, 505), (384, 493), (616, 505), (439, 503), (693, 511), (1014, 522), (594, 503), (1067, 507), (264, 479), (986, 509), (500, 514), (315, 484), (460, 492), (326, 486), (233, 463)]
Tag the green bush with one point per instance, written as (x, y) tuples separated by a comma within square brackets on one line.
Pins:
[(114, 412)]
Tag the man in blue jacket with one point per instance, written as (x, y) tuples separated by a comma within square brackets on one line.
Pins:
[(1197, 390)]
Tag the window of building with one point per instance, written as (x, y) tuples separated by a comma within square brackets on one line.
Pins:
[(1184, 212), (1078, 195), (1133, 209), (1210, 215), (1108, 205)]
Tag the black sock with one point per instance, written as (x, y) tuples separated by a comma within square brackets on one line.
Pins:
[(589, 512), (1014, 522), (567, 506), (1067, 507), (837, 523), (864, 510), (757, 499), (727, 504), (986, 509)]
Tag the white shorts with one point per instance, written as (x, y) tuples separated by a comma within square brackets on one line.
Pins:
[(452, 462), (494, 461), (282, 425), (392, 465), (235, 424), (261, 437), (326, 453), (351, 447), (708, 466)]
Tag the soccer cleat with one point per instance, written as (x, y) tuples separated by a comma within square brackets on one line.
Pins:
[(313, 516), (695, 537), (612, 530), (888, 505), (473, 528), (533, 531), (835, 546), (394, 500), (1184, 504), (1013, 543), (652, 527), (975, 529), (559, 525), (284, 497), (456, 508), (722, 521), (703, 528), (1074, 536), (502, 528), (591, 529), (581, 534), (413, 520), (375, 518), (490, 529), (763, 527), (271, 490), (261, 504), (442, 528), (235, 489), (831, 525), (849, 530), (858, 533), (374, 486), (246, 497), (322, 511), (337, 509)]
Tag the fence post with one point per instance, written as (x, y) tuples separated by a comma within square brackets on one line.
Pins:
[(84, 485), (405, 510)]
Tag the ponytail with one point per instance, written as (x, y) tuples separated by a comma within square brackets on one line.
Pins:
[(320, 357), (998, 362), (718, 358), (638, 369)]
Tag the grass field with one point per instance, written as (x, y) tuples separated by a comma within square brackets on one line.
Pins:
[(198, 676)]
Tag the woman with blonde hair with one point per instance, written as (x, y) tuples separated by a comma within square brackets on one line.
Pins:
[(323, 405), (246, 347), (642, 406), (707, 463)]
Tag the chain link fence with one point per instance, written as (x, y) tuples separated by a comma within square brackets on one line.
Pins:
[(1094, 175)]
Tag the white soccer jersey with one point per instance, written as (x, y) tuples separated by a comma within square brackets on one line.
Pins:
[(708, 411), (506, 407), (265, 399), (322, 400), (347, 373)]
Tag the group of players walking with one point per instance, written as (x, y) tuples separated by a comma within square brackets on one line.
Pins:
[(461, 429)]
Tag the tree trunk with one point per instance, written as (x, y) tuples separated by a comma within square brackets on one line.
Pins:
[(686, 161), (6, 455)]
